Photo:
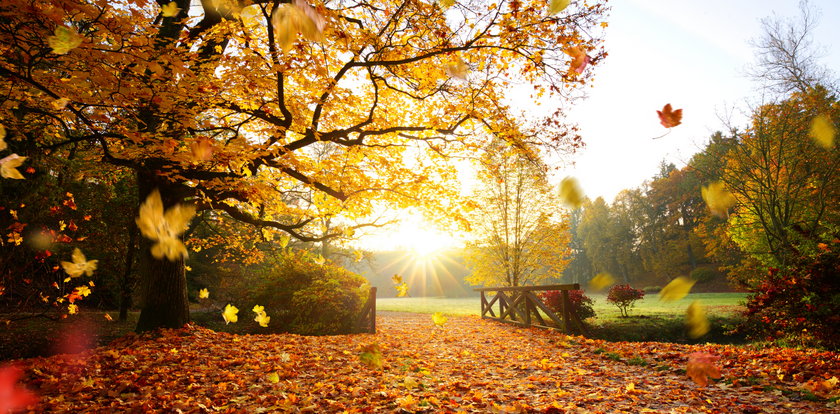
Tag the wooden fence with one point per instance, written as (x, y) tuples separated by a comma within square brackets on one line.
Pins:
[(367, 319), (519, 305)]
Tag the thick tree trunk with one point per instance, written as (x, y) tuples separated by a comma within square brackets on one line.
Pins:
[(165, 303)]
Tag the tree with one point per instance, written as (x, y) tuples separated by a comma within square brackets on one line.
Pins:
[(229, 110), (521, 239)]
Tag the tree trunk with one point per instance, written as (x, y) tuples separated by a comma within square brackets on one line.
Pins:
[(127, 282), (165, 303)]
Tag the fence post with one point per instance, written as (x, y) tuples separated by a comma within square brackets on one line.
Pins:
[(372, 309)]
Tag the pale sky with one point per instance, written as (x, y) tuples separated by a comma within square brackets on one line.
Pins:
[(688, 53)]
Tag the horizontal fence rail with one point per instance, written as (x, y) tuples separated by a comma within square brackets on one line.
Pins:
[(519, 305)]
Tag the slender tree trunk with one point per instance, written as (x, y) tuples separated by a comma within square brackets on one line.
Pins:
[(165, 303), (127, 282)]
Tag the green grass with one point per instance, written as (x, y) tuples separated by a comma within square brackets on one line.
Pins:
[(650, 319), (720, 304)]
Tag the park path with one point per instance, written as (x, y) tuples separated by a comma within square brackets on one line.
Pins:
[(411, 365)]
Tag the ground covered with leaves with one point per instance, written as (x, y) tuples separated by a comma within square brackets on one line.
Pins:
[(412, 365)]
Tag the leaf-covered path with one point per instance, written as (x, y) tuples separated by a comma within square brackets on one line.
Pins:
[(468, 365)]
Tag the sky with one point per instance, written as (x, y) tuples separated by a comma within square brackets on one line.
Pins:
[(691, 54)]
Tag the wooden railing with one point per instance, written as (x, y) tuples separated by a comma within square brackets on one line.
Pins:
[(520, 306), (367, 319)]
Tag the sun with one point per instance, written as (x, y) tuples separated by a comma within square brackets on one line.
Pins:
[(422, 242)]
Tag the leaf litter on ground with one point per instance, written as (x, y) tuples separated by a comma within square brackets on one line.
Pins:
[(473, 365)]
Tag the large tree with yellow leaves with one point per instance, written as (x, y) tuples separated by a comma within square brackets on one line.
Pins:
[(281, 114)]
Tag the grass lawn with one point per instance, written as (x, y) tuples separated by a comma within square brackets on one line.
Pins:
[(650, 319)]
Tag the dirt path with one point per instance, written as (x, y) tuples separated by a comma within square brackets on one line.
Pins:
[(468, 365)]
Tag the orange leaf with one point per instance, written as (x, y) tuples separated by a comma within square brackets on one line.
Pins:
[(701, 367), (668, 117)]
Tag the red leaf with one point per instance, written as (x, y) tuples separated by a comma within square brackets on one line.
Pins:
[(701, 367), (668, 117), (12, 396)]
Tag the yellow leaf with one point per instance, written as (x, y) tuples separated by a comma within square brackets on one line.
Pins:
[(229, 314), (718, 198), (273, 378), (676, 289), (284, 241), (83, 291), (170, 10), (203, 293), (164, 228), (9, 164), (108, 317), (570, 193), (80, 265), (290, 19), (72, 309), (439, 319), (402, 290), (601, 281), (3, 144), (258, 309), (262, 319), (458, 69), (397, 279), (60, 103), (823, 131), (695, 320), (410, 383), (319, 260), (556, 6), (64, 40), (371, 356)]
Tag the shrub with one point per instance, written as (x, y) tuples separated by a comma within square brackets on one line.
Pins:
[(703, 274), (581, 304), (652, 289), (624, 297), (799, 305), (304, 297)]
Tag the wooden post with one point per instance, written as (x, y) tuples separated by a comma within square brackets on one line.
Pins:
[(372, 309), (567, 308)]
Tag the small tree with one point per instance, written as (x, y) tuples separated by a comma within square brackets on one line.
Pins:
[(624, 297)]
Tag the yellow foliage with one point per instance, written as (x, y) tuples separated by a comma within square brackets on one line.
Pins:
[(439, 319)]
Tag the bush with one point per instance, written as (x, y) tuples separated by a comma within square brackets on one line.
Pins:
[(799, 305), (581, 304), (652, 289), (304, 297), (624, 297), (703, 274)]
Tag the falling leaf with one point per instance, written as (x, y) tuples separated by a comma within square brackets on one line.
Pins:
[(718, 198), (696, 321), (108, 317), (556, 6), (164, 228), (170, 10), (445, 4), (668, 117), (371, 356), (290, 19), (258, 309), (570, 193), (203, 293), (80, 265), (823, 131), (201, 149), (261, 317), (14, 397), (397, 279), (229, 314), (319, 260), (60, 103), (273, 377), (410, 383), (284, 241), (64, 40), (579, 60), (676, 289), (458, 69), (9, 164), (601, 281), (3, 144), (72, 309), (701, 367), (402, 290), (439, 319)]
